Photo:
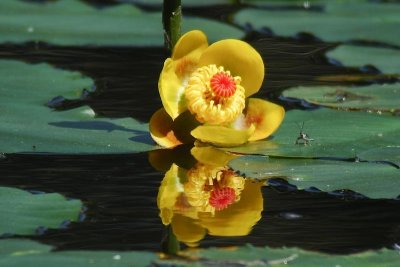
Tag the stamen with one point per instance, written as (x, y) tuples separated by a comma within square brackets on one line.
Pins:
[(221, 198), (223, 84), (214, 96)]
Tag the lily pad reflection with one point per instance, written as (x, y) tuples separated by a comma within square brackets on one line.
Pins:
[(208, 198)]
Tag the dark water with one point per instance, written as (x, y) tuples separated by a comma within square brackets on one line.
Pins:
[(119, 190)]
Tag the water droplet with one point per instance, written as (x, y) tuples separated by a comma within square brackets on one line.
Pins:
[(30, 29), (117, 257)]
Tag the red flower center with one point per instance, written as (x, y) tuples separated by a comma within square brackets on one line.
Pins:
[(221, 198), (223, 85)]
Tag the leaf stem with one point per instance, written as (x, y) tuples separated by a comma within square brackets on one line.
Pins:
[(171, 17), (170, 244)]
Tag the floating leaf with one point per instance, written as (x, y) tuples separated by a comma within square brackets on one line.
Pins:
[(188, 3), (28, 125), (385, 59), (19, 247), (376, 97), (20, 252), (23, 212), (388, 154), (71, 22), (17, 253), (339, 21), (335, 133), (264, 256), (370, 179)]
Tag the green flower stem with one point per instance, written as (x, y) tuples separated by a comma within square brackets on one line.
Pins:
[(172, 16), (170, 244)]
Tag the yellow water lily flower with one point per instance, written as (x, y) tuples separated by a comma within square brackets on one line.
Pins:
[(204, 91), (209, 198)]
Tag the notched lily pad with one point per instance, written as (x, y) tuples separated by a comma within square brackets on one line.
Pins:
[(376, 97), (23, 212), (373, 180), (29, 125)]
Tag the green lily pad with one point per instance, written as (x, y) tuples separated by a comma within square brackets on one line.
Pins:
[(376, 97), (20, 252), (72, 22), (373, 180), (388, 154), (20, 247), (23, 212), (28, 125), (339, 21), (187, 3), (385, 59), (258, 256), (335, 133)]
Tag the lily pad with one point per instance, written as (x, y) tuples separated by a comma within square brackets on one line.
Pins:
[(258, 256), (373, 180), (72, 22), (386, 60), (187, 3), (21, 247), (376, 97), (339, 21), (387, 154), (28, 125), (20, 252), (335, 133), (23, 212)]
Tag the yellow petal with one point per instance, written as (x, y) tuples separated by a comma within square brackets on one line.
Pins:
[(222, 136), (171, 90), (187, 230), (240, 59), (266, 117), (191, 42), (160, 159), (160, 127), (168, 193), (185, 57), (239, 218), (212, 156)]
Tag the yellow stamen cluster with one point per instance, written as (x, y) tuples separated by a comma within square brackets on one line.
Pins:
[(205, 104), (202, 179)]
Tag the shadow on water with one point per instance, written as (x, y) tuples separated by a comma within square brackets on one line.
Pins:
[(94, 125), (120, 192)]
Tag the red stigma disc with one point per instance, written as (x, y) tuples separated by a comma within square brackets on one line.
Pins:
[(223, 84), (221, 198)]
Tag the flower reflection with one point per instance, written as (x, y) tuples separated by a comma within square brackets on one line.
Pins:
[(208, 198)]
